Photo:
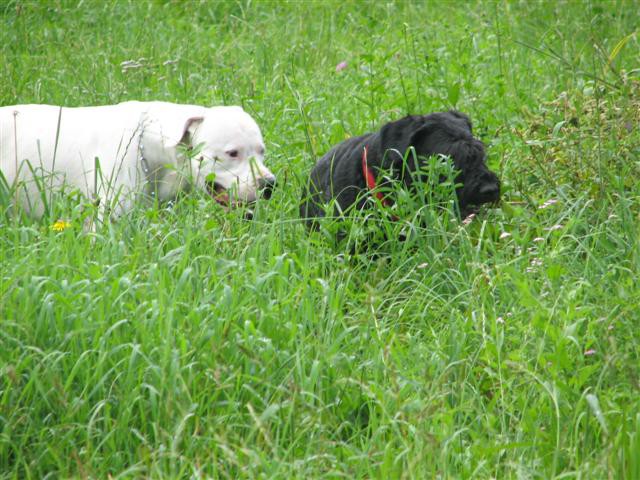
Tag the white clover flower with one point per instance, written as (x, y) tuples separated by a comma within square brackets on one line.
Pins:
[(548, 203)]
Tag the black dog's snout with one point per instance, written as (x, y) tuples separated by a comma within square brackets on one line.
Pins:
[(490, 192), (486, 189), (266, 186)]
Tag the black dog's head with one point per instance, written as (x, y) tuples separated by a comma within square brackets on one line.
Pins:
[(445, 133)]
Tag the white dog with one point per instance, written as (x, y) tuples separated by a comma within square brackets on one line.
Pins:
[(121, 153)]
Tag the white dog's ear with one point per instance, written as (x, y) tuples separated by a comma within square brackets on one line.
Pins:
[(174, 125), (183, 133), (189, 129)]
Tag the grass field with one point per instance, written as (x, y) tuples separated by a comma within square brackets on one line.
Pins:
[(186, 342)]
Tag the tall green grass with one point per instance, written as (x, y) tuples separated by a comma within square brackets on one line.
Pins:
[(186, 342)]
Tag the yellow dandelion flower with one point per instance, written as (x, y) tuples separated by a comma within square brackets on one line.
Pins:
[(60, 225)]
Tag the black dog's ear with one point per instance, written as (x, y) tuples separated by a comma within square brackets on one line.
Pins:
[(466, 153), (440, 132), (446, 136), (396, 137), (463, 117)]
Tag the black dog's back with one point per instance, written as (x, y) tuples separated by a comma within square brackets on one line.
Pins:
[(334, 176)]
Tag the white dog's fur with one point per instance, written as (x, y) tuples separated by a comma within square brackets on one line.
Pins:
[(115, 153)]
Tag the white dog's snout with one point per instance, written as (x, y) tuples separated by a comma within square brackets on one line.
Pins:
[(266, 186), (261, 175)]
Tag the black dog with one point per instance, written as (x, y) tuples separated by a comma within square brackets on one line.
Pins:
[(351, 167)]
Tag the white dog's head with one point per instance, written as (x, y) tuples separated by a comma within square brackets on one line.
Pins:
[(225, 151)]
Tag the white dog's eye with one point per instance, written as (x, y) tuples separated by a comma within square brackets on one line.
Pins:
[(232, 153)]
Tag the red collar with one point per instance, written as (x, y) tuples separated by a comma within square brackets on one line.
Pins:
[(370, 179)]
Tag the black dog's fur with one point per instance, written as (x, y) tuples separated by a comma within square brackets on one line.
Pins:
[(338, 174)]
